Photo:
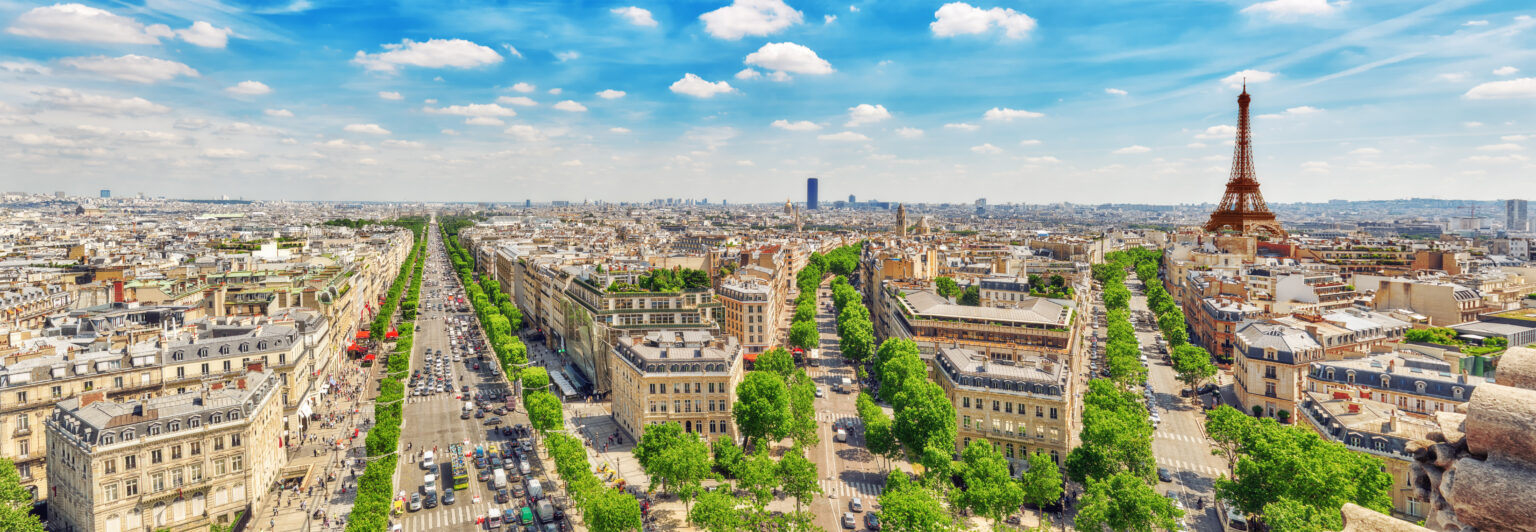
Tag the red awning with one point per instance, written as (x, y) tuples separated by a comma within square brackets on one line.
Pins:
[(392, 334), (750, 357), (362, 335), (354, 347), (369, 357)]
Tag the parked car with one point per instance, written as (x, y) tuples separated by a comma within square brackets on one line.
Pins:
[(856, 504), (1163, 475), (415, 502), (872, 521), (848, 521)]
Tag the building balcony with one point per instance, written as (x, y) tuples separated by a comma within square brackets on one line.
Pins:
[(22, 432)]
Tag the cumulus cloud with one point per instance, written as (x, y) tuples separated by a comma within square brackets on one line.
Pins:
[(986, 149), (1008, 115), (845, 136), (24, 67), (249, 88), (390, 95), (409, 144), (556, 91), (484, 121), (524, 87), (567, 55), (962, 126), (1220, 132), (34, 139), (525, 132), (1044, 159), (803, 125), (789, 57), (474, 109), (697, 87), (750, 17), (1132, 149), (829, 18), (1288, 10), (1509, 146), (570, 106), (960, 18), (1251, 76), (748, 73), (205, 35), (226, 153), (635, 15), (1365, 151), (80, 23), (620, 130), (517, 100), (98, 104), (131, 67), (1294, 111), (909, 132), (434, 53), (1500, 90), (610, 94), (866, 114), (371, 129), (279, 113), (1116, 92), (1505, 71)]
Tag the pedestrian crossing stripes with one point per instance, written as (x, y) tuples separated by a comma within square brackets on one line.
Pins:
[(1180, 437), (840, 419), (845, 490), (1180, 466)]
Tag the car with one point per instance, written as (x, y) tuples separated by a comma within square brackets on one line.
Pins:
[(1209, 388), (430, 501), (1164, 475), (872, 521), (820, 392), (502, 495), (500, 411), (464, 415), (496, 462), (485, 474), (415, 502), (481, 414), (848, 521), (517, 489), (856, 504)]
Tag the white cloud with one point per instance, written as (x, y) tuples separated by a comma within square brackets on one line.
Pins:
[(960, 18), (1475, 23), (1116, 92), (1455, 77), (803, 125), (962, 126), (95, 103), (1320, 167), (750, 17), (1293, 9), (24, 67), (430, 101), (1472, 124), (567, 55), (1365, 151), (779, 76), (572, 162), (368, 161), (279, 113), (1509, 146), (1008, 115), (909, 132), (747, 73), (1132, 149), (987, 149), (434, 53), (1294, 111), (635, 15), (344, 144), (226, 153), (843, 136), (249, 88), (131, 67), (829, 18), (571, 106), (75, 22), (1251, 76), (866, 114), (524, 87), (853, 9), (610, 94), (555, 91), (33, 139), (697, 87), (410, 144), (1505, 71), (205, 35), (1195, 145), (620, 130), (390, 95), (1046, 159), (484, 121), (371, 129), (1029, 142), (474, 109), (1511, 158), (525, 132), (1499, 90), (517, 100), (745, 162), (789, 57), (512, 50), (1515, 138), (1221, 132), (450, 132)]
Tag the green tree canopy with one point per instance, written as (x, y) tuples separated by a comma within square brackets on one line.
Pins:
[(989, 490), (776, 360), (1124, 502), (762, 406), (803, 334)]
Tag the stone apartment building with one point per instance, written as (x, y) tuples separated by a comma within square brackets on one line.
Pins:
[(1271, 365), (1374, 428), (1033, 326), (689, 377), (1022, 406), (1445, 304), (750, 312), (1412, 382), (176, 462)]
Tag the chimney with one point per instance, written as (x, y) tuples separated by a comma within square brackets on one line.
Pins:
[(242, 383), (254, 366), (88, 398), (117, 291), (1354, 408)]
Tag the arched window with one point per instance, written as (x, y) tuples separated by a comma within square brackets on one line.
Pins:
[(1386, 381), (1419, 386), (107, 438), (1330, 373), (1350, 376)]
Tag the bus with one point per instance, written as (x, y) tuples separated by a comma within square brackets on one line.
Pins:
[(460, 473)]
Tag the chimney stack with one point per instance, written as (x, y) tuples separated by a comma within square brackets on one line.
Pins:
[(242, 383), (88, 398)]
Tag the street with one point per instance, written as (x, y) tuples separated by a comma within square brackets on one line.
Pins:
[(847, 469)]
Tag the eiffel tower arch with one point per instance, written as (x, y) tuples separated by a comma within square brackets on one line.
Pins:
[(1242, 207)]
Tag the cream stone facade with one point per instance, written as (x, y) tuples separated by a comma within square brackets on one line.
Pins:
[(1022, 406), (689, 377), (750, 313)]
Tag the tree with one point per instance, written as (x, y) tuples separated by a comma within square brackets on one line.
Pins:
[(1125, 503), (889, 349), (1116, 435), (15, 501), (798, 477), (534, 378), (802, 409), (612, 510), (759, 475), (803, 334), (858, 342), (1041, 482), (776, 360), (989, 490), (1283, 462), (947, 287), (728, 456), (971, 296), (805, 311), (1228, 428), (653, 448), (908, 507), (1172, 324), (899, 372), (762, 406), (716, 512), (926, 424), (1289, 515), (1193, 365), (543, 411)]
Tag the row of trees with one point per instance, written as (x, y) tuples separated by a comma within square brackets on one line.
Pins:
[(841, 261), (495, 309), (376, 488), (602, 508), (1191, 363), (1115, 464), (1122, 353), (855, 331)]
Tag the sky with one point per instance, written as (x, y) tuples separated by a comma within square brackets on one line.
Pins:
[(1092, 101)]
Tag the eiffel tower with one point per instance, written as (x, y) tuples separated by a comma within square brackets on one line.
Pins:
[(1242, 208)]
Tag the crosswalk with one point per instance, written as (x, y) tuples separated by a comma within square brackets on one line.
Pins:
[(845, 490), (1180, 465), (445, 516), (840, 419), (1179, 437)]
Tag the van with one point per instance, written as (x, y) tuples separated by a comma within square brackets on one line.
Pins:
[(493, 518), (535, 490), (546, 512), (429, 483), (426, 460), (842, 435), (499, 479), (1232, 519)]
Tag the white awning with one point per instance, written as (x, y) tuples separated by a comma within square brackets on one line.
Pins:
[(304, 410)]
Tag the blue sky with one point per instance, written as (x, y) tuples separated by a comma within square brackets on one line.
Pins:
[(1048, 101)]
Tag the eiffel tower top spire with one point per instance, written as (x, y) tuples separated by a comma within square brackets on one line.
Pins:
[(1242, 207)]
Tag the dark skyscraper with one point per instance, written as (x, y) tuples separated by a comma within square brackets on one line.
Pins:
[(810, 194)]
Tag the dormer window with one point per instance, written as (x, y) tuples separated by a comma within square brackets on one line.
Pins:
[(1386, 381), (178, 356), (202, 353), (1350, 375), (173, 426), (245, 348), (1457, 392), (1330, 373), (216, 418), (154, 430), (262, 345), (128, 434), (234, 414), (223, 349), (1419, 386), (194, 422), (107, 438)]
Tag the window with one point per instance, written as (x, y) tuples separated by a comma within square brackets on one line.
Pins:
[(117, 382), (130, 462), (131, 487), (205, 368), (226, 365), (107, 438), (21, 397), (234, 440), (216, 418), (58, 391), (157, 482), (1039, 412), (1419, 386), (218, 467), (24, 447), (967, 422), (235, 463), (965, 402), (224, 349), (202, 352), (1008, 408), (653, 387), (110, 492), (1269, 389), (175, 452), (218, 443), (996, 407), (177, 477), (173, 426), (109, 466), (1053, 412), (195, 448), (23, 422), (197, 473), (155, 457), (195, 422), (181, 372)]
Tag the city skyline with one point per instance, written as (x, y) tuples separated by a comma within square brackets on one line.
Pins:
[(743, 101)]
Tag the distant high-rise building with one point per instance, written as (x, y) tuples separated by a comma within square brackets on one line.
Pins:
[(106, 193), (58, 193), (810, 193), (527, 203), (1514, 215), (852, 200)]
